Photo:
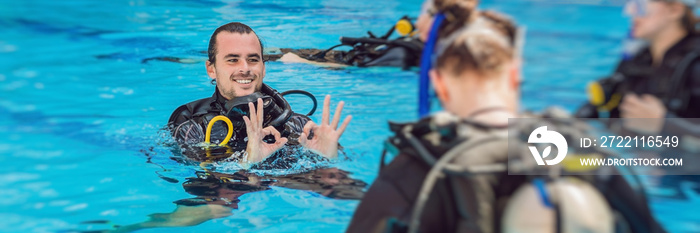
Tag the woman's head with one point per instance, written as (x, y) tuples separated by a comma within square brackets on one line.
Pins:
[(476, 50), (484, 46), (652, 18), (430, 9)]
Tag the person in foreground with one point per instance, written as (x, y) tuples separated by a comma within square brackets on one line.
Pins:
[(450, 172), (256, 110)]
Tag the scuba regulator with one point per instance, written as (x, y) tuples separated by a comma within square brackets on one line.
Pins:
[(277, 111), (605, 94)]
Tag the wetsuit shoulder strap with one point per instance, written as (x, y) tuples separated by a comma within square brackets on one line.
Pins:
[(191, 110), (447, 165)]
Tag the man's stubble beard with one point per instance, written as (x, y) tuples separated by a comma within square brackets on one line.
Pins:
[(231, 93)]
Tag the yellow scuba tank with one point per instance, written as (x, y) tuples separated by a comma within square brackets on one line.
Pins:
[(404, 27)]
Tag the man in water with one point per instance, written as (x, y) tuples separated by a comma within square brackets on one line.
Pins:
[(236, 66)]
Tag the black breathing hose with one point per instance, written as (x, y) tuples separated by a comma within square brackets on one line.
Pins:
[(306, 93)]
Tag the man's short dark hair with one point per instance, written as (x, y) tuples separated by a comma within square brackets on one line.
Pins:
[(233, 27)]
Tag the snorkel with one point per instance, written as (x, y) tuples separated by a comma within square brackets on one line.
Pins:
[(426, 65)]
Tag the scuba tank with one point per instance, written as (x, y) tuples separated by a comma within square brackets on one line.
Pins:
[(606, 94), (405, 27), (566, 205)]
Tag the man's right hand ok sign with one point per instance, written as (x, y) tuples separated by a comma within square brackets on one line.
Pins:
[(258, 150)]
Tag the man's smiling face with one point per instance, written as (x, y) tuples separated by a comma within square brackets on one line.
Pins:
[(238, 68)]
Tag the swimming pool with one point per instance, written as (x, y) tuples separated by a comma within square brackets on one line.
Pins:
[(80, 110)]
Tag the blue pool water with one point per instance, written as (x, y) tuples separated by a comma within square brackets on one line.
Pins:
[(80, 113)]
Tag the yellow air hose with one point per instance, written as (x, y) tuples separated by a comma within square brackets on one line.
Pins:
[(207, 139)]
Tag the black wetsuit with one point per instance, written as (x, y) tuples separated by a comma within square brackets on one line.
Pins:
[(641, 77), (188, 124), (682, 100), (390, 200)]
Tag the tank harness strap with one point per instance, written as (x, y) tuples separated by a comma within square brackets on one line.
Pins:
[(476, 182), (541, 187), (437, 172)]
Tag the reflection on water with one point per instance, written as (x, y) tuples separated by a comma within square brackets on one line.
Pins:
[(224, 189), (218, 194)]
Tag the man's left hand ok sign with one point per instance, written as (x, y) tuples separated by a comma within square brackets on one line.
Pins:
[(325, 136)]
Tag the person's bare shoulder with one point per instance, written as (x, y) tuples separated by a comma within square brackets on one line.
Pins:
[(293, 58)]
